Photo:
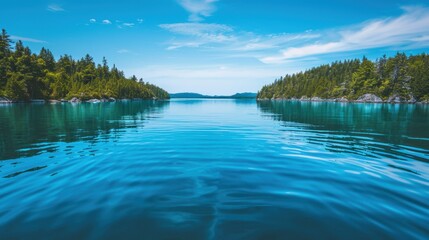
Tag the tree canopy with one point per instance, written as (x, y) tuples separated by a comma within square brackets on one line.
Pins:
[(402, 76), (25, 75)]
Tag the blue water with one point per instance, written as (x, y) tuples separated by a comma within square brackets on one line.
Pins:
[(214, 169)]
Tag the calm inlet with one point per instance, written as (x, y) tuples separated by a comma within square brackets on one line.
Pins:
[(214, 169)]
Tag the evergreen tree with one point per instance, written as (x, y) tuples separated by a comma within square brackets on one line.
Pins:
[(396, 76), (5, 44), (16, 88), (48, 58), (419, 73), (25, 76), (364, 80), (400, 79)]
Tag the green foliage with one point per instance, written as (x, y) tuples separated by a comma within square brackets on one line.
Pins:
[(419, 72), (25, 76), (364, 80), (16, 88), (327, 81), (396, 76), (157, 91)]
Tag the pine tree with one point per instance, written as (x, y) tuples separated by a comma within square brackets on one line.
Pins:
[(399, 75), (364, 80), (48, 58), (5, 44), (25, 76)]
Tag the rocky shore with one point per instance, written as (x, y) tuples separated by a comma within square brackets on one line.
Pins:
[(4, 100), (94, 100), (366, 98)]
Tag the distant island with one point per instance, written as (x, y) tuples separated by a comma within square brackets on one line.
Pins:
[(245, 95), (398, 79), (26, 76)]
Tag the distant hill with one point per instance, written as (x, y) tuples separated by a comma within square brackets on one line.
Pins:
[(246, 95), (186, 95)]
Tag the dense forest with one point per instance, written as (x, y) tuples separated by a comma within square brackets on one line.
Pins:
[(402, 77), (25, 76)]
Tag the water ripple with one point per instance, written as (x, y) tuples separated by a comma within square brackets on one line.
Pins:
[(214, 169)]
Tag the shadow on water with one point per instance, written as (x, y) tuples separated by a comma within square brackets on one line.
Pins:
[(27, 129), (374, 130)]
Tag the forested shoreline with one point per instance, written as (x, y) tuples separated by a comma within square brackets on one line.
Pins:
[(26, 76), (397, 79)]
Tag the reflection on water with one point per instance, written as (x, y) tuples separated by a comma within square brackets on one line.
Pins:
[(398, 131), (214, 169), (29, 129)]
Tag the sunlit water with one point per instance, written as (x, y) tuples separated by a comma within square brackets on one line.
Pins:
[(214, 169)]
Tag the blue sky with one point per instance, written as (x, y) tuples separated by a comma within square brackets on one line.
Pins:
[(218, 46)]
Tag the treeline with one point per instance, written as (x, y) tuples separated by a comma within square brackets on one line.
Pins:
[(399, 76), (25, 75)]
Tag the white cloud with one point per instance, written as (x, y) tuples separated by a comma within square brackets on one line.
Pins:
[(200, 34), (204, 34), (128, 24), (198, 9), (121, 51), (400, 32), (121, 24), (25, 39), (273, 41), (55, 8), (196, 29), (118, 23)]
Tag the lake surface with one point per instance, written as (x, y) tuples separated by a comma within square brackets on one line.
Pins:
[(214, 169)]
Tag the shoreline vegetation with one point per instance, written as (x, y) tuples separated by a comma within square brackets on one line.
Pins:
[(4, 100), (30, 77), (398, 79), (366, 98)]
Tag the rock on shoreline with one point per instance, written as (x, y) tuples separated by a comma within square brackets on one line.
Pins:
[(366, 98), (399, 99), (5, 100), (369, 98)]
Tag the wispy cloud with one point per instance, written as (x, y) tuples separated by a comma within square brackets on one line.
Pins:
[(122, 51), (205, 34), (25, 39), (399, 32), (198, 34), (128, 24), (407, 31), (198, 9), (55, 8), (271, 41), (118, 23), (196, 29)]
